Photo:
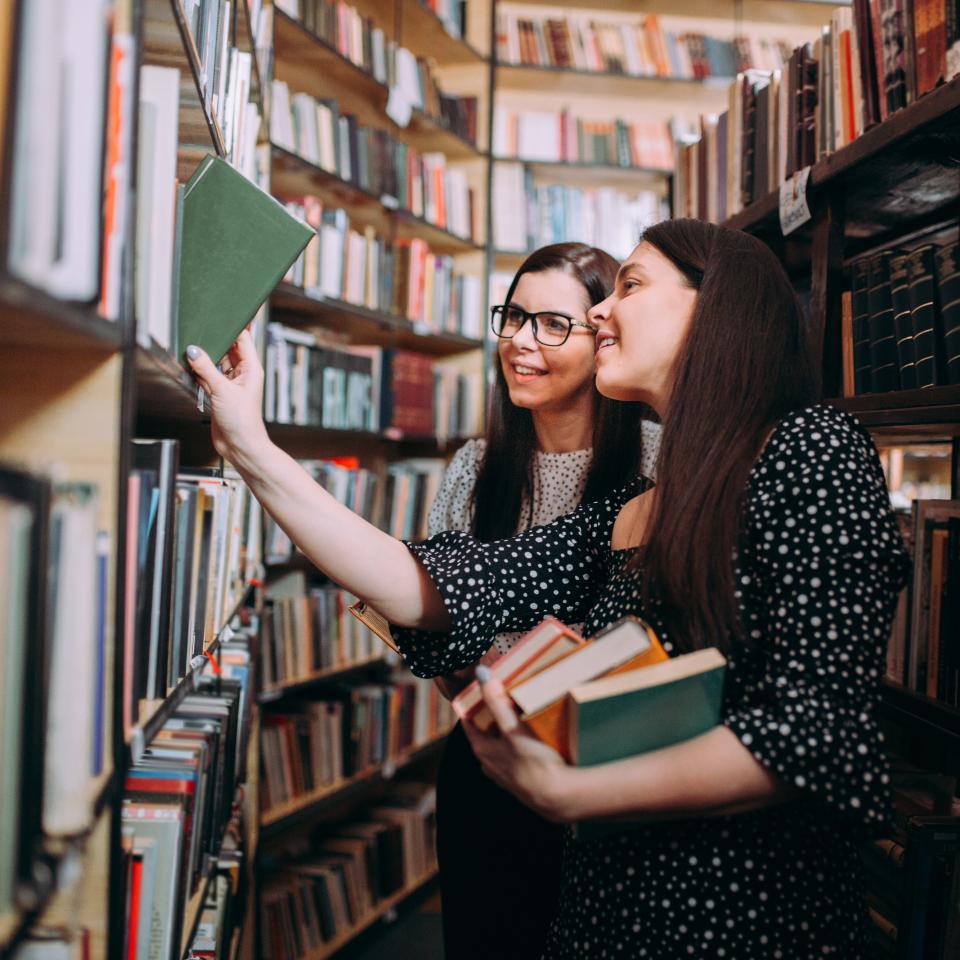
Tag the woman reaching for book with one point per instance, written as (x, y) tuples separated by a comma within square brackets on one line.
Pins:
[(769, 535), (551, 441)]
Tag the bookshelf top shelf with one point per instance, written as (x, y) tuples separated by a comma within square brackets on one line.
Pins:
[(366, 326), (896, 174), (33, 318), (423, 32), (309, 63)]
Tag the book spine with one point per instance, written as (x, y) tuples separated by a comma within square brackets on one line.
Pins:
[(860, 284), (947, 259), (926, 326), (883, 346), (903, 322)]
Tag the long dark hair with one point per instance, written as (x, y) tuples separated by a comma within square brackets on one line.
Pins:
[(505, 477), (745, 363)]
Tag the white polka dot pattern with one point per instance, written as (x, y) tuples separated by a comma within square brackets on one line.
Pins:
[(818, 570)]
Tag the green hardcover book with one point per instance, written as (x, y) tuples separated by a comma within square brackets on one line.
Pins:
[(237, 244), (642, 710), (631, 713)]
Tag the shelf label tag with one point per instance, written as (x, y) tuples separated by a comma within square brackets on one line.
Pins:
[(399, 108), (794, 210), (390, 202)]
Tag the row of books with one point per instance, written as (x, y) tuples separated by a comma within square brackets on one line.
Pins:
[(409, 77), (318, 897), (307, 629), (404, 278), (397, 392), (867, 63), (922, 654), (222, 912), (179, 799), (530, 216), (55, 577), (355, 728), (160, 198), (373, 160), (539, 135), (193, 546), (901, 320), (59, 148), (912, 873), (640, 48)]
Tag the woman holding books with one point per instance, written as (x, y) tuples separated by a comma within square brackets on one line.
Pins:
[(769, 535), (551, 429)]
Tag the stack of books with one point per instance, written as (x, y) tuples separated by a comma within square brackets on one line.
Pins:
[(867, 64), (373, 160), (306, 630), (901, 320), (403, 278), (353, 730), (193, 541), (561, 138), (352, 869), (359, 40), (531, 216), (55, 580), (178, 800), (639, 48), (397, 392), (922, 653)]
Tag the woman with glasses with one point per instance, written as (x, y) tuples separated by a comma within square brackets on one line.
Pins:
[(769, 534), (551, 441)]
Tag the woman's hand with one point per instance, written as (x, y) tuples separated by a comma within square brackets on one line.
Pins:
[(459, 680), (236, 397), (533, 772)]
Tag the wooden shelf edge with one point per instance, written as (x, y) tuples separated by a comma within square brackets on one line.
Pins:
[(905, 408), (583, 165), (921, 711), (605, 76), (380, 910), (272, 818), (278, 691), (440, 239), (448, 49)]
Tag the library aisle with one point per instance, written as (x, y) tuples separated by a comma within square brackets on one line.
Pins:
[(205, 749)]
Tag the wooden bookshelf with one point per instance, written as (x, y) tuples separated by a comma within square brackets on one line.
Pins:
[(366, 326), (382, 908), (294, 176), (304, 441), (279, 690), (309, 63), (923, 715), (31, 317), (422, 29), (164, 387), (898, 172), (281, 816), (589, 174)]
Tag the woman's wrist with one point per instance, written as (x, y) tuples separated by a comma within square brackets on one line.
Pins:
[(250, 450)]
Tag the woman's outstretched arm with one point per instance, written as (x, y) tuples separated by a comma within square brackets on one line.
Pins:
[(354, 553)]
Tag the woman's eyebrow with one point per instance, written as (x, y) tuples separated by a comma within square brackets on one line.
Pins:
[(632, 265)]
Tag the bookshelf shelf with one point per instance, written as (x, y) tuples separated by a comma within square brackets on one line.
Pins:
[(366, 326), (155, 713), (567, 80), (898, 172), (309, 440), (163, 386), (300, 808), (934, 411), (921, 713), (31, 317), (302, 58), (278, 691), (294, 176), (381, 910), (424, 33), (167, 42), (589, 173)]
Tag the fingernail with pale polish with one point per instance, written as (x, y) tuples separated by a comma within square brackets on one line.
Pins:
[(193, 352), (483, 674)]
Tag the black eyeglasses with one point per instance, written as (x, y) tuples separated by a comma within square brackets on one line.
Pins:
[(549, 327)]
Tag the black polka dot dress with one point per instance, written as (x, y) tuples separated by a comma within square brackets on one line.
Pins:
[(819, 568)]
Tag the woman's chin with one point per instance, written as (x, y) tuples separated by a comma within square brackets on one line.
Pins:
[(614, 387)]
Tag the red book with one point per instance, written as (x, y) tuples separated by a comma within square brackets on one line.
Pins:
[(133, 911)]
